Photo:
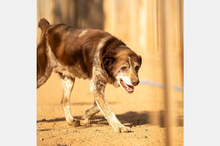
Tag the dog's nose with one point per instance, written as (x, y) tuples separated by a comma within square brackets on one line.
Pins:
[(135, 82)]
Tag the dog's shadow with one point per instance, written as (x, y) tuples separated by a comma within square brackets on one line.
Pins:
[(129, 119)]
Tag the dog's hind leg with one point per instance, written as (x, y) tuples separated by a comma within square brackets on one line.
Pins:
[(42, 79), (45, 62), (43, 74), (89, 114), (67, 86), (44, 67)]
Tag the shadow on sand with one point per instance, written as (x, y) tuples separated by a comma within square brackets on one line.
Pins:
[(129, 119)]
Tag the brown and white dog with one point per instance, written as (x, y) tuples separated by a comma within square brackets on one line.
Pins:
[(88, 54)]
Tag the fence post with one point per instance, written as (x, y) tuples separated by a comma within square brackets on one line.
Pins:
[(166, 74)]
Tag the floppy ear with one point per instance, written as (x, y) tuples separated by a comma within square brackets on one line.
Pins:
[(108, 63), (140, 59)]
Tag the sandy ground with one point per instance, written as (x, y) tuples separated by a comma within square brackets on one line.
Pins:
[(137, 110)]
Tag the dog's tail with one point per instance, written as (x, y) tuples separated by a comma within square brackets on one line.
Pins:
[(43, 23)]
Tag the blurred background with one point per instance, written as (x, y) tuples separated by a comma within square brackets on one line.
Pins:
[(153, 29)]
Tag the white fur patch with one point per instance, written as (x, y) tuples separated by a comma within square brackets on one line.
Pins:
[(97, 61), (83, 33), (97, 69), (92, 86), (67, 114), (67, 85)]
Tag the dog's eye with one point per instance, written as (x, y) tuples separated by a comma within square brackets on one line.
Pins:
[(137, 68), (124, 68)]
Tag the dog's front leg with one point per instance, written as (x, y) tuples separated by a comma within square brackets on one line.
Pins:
[(97, 89)]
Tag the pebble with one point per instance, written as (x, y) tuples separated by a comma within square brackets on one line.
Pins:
[(74, 131), (54, 124), (81, 141)]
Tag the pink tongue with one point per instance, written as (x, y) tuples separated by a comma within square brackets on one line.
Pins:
[(127, 87), (130, 88)]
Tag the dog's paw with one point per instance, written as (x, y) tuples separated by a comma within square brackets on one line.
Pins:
[(123, 129), (85, 122), (73, 122)]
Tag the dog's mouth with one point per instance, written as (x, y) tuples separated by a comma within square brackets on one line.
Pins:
[(126, 87)]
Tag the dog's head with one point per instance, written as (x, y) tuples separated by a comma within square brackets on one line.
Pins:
[(122, 65)]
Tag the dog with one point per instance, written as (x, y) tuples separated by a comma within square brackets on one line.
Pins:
[(89, 54)]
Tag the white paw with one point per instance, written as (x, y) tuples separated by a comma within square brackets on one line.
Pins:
[(122, 129), (73, 122)]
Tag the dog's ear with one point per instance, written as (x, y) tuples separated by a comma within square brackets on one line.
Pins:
[(140, 58), (108, 63)]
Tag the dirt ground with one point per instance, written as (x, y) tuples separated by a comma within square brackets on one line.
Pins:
[(137, 110)]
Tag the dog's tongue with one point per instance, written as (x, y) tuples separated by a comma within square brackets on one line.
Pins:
[(130, 88), (127, 87)]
